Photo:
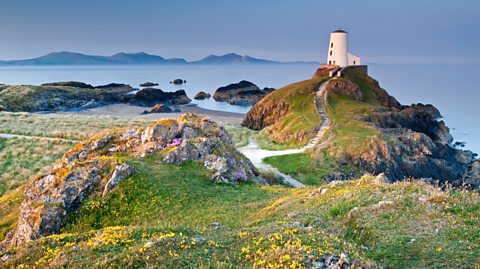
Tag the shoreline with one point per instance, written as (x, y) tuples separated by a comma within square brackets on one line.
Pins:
[(132, 111)]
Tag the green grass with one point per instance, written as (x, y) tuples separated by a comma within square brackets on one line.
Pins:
[(301, 120), (171, 207), (21, 159), (239, 134), (307, 169), (170, 195), (74, 127)]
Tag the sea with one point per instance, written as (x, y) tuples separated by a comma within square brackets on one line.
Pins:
[(453, 89)]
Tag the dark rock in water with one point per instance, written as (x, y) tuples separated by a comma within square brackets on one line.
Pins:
[(459, 144), (244, 93), (202, 96), (153, 96), (178, 81), (112, 86), (82, 172), (148, 84), (74, 84)]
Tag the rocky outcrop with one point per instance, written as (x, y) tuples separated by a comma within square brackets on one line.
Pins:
[(265, 114), (91, 168), (202, 96), (153, 96), (346, 88), (148, 84), (243, 93), (418, 117), (74, 84), (62, 96)]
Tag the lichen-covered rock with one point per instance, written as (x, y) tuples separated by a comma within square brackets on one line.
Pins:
[(120, 172), (91, 168), (48, 199)]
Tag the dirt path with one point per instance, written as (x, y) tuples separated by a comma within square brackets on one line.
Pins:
[(36, 137), (256, 154)]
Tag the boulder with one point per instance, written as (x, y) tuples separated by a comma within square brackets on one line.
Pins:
[(178, 81), (153, 96), (160, 108), (202, 96), (243, 93), (120, 172), (148, 84)]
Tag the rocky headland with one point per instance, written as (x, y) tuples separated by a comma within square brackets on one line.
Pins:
[(244, 93), (371, 130)]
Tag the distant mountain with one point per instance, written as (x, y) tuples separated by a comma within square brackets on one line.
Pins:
[(232, 58), (72, 58)]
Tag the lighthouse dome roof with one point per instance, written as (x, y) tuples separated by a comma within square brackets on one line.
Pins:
[(339, 31)]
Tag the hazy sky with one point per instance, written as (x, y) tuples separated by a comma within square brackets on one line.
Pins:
[(381, 31)]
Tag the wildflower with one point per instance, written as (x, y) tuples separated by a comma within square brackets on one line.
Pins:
[(242, 234)]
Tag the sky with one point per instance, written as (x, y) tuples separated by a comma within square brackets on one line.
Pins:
[(380, 31)]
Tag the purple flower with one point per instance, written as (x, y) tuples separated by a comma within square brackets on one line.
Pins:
[(175, 142), (239, 175)]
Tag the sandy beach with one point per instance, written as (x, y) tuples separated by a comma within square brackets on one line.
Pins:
[(125, 110)]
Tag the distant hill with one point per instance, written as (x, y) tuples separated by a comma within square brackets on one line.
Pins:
[(72, 58), (232, 58)]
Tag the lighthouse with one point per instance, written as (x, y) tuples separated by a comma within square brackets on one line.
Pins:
[(338, 50)]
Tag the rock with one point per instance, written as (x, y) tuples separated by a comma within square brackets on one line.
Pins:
[(160, 108), (333, 262), (380, 178), (74, 84), (148, 84), (178, 81), (120, 172), (215, 225), (345, 88), (2, 108), (243, 93), (202, 96), (163, 130), (153, 96)]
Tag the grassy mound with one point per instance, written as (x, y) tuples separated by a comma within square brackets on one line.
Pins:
[(163, 218), (291, 117)]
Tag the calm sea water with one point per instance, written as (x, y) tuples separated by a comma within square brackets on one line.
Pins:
[(453, 89)]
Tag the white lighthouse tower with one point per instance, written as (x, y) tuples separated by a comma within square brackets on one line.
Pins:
[(338, 50)]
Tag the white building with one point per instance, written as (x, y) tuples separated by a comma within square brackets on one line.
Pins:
[(338, 50)]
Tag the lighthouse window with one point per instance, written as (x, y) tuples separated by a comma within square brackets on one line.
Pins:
[(331, 45), (330, 53)]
